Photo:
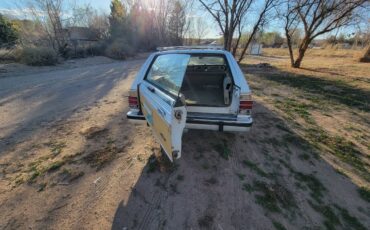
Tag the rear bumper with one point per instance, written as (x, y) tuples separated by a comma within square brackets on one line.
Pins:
[(242, 124)]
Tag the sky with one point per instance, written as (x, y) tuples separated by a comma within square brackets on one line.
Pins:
[(12, 7)]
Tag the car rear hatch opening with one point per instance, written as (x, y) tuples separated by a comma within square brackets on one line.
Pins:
[(207, 81)]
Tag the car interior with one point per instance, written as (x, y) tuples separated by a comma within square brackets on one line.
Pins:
[(207, 84)]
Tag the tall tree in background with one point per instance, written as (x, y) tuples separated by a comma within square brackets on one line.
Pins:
[(228, 15), (117, 19), (176, 24), (200, 29), (231, 18), (53, 23), (8, 33), (262, 20), (316, 17)]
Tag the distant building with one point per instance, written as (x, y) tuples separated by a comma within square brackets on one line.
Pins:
[(81, 34), (255, 48), (81, 37)]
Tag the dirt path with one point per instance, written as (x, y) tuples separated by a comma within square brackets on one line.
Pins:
[(71, 160)]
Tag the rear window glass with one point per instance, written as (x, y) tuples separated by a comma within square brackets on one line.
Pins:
[(168, 70), (207, 60)]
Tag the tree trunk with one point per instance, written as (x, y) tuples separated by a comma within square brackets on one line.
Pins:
[(226, 39), (290, 48), (245, 48), (302, 50)]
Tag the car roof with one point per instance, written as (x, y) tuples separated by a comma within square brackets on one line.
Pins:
[(193, 51)]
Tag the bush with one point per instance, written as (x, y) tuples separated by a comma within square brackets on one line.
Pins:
[(119, 49), (12, 54), (8, 33), (38, 56)]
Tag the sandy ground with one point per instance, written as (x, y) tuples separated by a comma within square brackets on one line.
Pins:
[(69, 159)]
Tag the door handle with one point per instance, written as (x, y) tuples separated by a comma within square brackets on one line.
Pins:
[(151, 89)]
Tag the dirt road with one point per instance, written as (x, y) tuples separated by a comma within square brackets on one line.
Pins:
[(69, 159)]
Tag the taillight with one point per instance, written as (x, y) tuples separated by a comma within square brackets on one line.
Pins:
[(246, 104), (133, 102)]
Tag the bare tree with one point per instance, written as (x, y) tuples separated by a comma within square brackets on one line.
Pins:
[(228, 15), (200, 28), (316, 17), (52, 23), (51, 19), (231, 17), (261, 21)]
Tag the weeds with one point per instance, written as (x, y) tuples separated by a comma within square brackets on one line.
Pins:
[(272, 196), (56, 147), (180, 177), (331, 219), (278, 225), (54, 166), (316, 187), (248, 187), (292, 107), (99, 158), (240, 176), (350, 221), (211, 181), (304, 156), (33, 176), (339, 147), (223, 149), (364, 193), (254, 167), (206, 221), (42, 187)]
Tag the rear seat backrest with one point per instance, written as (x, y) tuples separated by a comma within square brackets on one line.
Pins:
[(203, 79)]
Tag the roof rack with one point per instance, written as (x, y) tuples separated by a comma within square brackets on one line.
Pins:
[(210, 47)]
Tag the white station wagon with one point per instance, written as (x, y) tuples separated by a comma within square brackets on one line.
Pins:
[(181, 88)]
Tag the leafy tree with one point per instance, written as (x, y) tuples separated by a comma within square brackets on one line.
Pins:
[(272, 39), (117, 19), (8, 32)]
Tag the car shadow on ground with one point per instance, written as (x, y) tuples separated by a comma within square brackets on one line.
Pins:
[(269, 177)]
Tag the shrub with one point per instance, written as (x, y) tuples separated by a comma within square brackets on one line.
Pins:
[(119, 49), (38, 56), (12, 54), (8, 32)]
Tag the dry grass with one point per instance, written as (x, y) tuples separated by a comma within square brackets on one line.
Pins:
[(327, 52), (326, 102)]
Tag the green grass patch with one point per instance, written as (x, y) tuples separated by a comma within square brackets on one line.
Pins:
[(324, 90), (56, 147), (254, 167), (33, 176), (304, 156), (351, 221), (343, 149), (42, 187), (364, 193), (241, 176), (273, 197), (247, 187), (55, 166), (278, 225), (223, 149), (331, 220), (316, 187), (293, 108)]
